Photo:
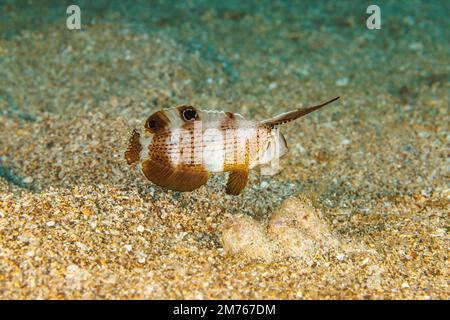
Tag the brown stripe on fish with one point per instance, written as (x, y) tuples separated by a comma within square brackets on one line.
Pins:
[(229, 121), (157, 122), (193, 146), (227, 126), (247, 152), (262, 133), (158, 149), (132, 154), (181, 146), (230, 115), (258, 141), (235, 146), (192, 122), (187, 141)]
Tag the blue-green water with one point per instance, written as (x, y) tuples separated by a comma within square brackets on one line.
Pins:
[(274, 33)]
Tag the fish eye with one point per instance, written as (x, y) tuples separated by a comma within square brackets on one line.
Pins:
[(189, 114), (151, 124)]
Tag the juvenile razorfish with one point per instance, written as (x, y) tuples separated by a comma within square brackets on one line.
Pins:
[(182, 146)]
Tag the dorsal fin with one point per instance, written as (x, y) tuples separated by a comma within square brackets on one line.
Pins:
[(292, 115)]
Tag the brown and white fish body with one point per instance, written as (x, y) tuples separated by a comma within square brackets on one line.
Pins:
[(182, 146)]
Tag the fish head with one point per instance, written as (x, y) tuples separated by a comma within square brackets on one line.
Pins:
[(158, 129), (164, 150)]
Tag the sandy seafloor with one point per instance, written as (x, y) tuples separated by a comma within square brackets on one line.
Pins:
[(360, 210)]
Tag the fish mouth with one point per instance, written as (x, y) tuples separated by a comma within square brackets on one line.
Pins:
[(132, 155)]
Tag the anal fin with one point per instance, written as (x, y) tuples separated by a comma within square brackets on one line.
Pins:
[(181, 178), (237, 181)]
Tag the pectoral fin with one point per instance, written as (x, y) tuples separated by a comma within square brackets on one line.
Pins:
[(175, 178), (237, 180), (270, 169)]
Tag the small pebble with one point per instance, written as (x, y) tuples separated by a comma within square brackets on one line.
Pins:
[(299, 148), (342, 82), (415, 46), (141, 260), (424, 135), (340, 257), (303, 71), (439, 233), (28, 180), (50, 223), (410, 21)]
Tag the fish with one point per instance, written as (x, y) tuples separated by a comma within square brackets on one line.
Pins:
[(180, 147)]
